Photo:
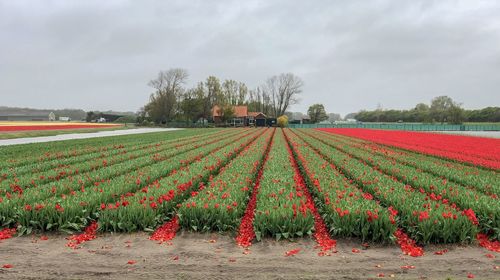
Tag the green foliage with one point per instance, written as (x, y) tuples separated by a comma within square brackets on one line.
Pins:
[(226, 112), (317, 113), (443, 110), (342, 205), (127, 119), (282, 210), (408, 201), (221, 204), (282, 121)]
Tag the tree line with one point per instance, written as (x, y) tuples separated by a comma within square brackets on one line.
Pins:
[(442, 109), (171, 101)]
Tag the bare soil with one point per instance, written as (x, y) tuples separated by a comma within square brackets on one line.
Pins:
[(215, 256)]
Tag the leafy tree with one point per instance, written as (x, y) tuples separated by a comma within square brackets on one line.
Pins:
[(192, 106), (488, 114), (227, 113), (332, 117), (439, 108), (352, 116), (90, 116), (456, 115), (421, 113), (282, 121), (317, 113)]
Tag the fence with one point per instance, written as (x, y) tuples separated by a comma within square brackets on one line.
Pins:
[(404, 126)]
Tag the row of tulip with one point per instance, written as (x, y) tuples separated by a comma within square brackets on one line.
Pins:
[(441, 190), (473, 150), (75, 205), (12, 201), (155, 202), (347, 210), (426, 220), (282, 209), (30, 155), (133, 147), (55, 170), (220, 206), (478, 178)]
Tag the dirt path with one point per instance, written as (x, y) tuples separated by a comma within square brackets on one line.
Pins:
[(213, 256)]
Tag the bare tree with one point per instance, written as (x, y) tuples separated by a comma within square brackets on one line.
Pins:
[(214, 91), (169, 90), (283, 91), (230, 92), (242, 93), (170, 81)]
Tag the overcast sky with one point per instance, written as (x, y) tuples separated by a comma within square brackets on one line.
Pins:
[(351, 55)]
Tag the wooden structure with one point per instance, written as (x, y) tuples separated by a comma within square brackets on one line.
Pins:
[(241, 117)]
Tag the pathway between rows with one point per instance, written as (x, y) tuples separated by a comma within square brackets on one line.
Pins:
[(73, 136)]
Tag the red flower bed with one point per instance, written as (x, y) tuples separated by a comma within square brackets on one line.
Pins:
[(476, 150), (9, 128)]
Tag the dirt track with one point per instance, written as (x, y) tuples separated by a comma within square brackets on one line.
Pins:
[(213, 256)]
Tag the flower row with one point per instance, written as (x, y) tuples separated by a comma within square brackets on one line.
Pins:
[(420, 216)]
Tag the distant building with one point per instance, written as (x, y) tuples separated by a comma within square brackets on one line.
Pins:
[(241, 117), (304, 119), (65, 119), (256, 119)]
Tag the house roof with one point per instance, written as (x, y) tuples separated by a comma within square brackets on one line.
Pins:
[(240, 111), (255, 114)]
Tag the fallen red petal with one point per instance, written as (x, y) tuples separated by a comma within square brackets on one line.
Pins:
[(408, 245), (89, 234), (167, 231), (485, 242), (7, 233), (408, 267), (442, 252), (292, 252)]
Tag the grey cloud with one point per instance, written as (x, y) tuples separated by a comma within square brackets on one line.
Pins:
[(350, 54)]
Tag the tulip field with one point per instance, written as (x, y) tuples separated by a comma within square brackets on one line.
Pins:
[(258, 183), (17, 126)]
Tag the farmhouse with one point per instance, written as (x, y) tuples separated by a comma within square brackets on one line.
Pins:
[(241, 117)]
